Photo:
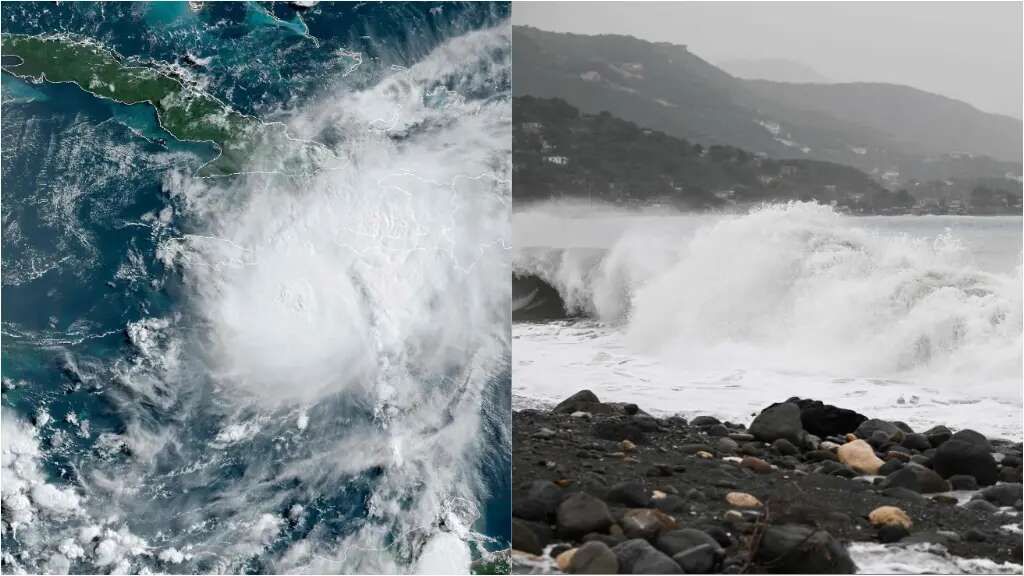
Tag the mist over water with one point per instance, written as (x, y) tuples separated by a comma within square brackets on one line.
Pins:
[(794, 289)]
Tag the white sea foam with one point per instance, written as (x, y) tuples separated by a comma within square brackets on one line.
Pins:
[(730, 312)]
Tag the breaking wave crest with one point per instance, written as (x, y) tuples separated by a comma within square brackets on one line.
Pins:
[(799, 286)]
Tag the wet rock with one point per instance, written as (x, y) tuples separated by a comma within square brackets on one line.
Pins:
[(1003, 494), (594, 557), (705, 421), (610, 540), (541, 500), (778, 421), (971, 437), (694, 448), (1007, 474), (637, 556), (938, 435), (582, 401), (819, 455), (824, 420), (752, 449), (981, 505), (903, 494), (727, 445), (878, 439), (1011, 461), (700, 559), (785, 447), (524, 538), (676, 541), (918, 479), (890, 466), (581, 513), (916, 442), (617, 430), (890, 533), (960, 457), (859, 456), (869, 427), (974, 535), (884, 515), (791, 548), (629, 494), (720, 536), (963, 482), (756, 464), (646, 523)]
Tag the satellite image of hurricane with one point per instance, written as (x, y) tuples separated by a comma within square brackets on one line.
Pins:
[(255, 287)]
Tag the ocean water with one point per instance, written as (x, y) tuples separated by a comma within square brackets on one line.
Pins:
[(301, 372), (906, 318)]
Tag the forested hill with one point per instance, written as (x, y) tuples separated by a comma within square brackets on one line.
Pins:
[(560, 152), (896, 133)]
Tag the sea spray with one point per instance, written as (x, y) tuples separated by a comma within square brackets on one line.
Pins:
[(798, 286)]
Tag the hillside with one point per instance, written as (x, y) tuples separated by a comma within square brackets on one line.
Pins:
[(775, 69), (895, 133), (557, 151)]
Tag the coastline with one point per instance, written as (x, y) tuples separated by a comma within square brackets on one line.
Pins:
[(667, 481)]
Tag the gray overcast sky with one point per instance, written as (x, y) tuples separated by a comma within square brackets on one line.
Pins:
[(969, 51)]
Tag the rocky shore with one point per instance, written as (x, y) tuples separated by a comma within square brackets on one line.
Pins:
[(608, 488)]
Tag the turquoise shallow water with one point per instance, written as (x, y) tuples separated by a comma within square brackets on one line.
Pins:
[(94, 192)]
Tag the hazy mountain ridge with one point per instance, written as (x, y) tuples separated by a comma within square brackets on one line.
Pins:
[(773, 69), (560, 152), (887, 130)]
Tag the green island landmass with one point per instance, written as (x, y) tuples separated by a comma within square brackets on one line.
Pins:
[(183, 111)]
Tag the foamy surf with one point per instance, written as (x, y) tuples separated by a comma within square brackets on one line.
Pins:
[(728, 313)]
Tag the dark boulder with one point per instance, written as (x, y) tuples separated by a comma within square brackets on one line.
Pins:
[(539, 502), (684, 539), (701, 559), (646, 523), (938, 435), (705, 421), (628, 494), (778, 421), (972, 437), (892, 533), (1008, 474), (594, 557), (637, 556), (610, 540), (959, 457), (525, 539), (981, 505), (825, 420), (785, 447), (616, 430), (582, 401), (890, 466), (796, 549), (918, 479), (581, 513), (917, 442), (869, 427), (1003, 494), (963, 482)]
